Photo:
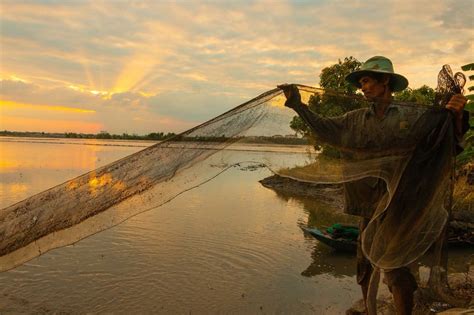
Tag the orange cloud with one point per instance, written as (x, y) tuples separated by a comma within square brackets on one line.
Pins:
[(48, 125), (13, 104)]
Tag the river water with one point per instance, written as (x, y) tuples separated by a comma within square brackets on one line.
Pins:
[(229, 246)]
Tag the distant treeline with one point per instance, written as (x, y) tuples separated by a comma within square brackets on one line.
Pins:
[(160, 136), (101, 135), (249, 139)]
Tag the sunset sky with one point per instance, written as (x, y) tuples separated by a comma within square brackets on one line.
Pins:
[(150, 66)]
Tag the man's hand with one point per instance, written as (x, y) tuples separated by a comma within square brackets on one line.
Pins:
[(293, 97), (456, 106)]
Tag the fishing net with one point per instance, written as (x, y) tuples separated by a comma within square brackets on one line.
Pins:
[(411, 165)]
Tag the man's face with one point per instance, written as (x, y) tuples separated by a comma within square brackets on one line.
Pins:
[(371, 87)]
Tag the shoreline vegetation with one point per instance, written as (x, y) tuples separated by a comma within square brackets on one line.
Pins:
[(159, 136), (462, 216), (74, 135)]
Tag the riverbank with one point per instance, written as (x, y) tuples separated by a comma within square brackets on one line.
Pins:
[(462, 217), (461, 227)]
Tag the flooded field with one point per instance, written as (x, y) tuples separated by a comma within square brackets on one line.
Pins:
[(228, 246)]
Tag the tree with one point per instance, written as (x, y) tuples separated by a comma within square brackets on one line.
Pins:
[(468, 154), (470, 67), (103, 135), (334, 77), (331, 78), (422, 95)]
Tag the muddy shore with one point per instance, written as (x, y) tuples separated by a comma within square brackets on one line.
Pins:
[(462, 217), (461, 227)]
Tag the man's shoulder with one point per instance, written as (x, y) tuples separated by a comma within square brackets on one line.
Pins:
[(358, 111), (409, 107), (408, 111)]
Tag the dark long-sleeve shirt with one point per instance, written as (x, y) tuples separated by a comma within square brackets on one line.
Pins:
[(361, 129)]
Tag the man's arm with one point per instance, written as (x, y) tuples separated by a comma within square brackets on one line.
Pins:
[(327, 129), (456, 105), (461, 119)]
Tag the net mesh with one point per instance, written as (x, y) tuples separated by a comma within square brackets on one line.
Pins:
[(409, 214)]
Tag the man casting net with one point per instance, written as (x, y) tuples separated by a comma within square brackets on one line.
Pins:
[(396, 163)]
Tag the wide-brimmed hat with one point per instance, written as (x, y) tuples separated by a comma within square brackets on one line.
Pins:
[(378, 64)]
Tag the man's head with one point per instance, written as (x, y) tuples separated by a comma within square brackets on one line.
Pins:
[(379, 70), (376, 85)]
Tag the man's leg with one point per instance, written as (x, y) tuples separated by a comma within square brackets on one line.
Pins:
[(402, 284), (364, 268)]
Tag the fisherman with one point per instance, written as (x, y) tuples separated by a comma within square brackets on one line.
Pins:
[(376, 125)]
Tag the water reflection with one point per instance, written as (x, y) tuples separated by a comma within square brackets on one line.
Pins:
[(324, 212), (230, 246), (29, 166), (328, 261)]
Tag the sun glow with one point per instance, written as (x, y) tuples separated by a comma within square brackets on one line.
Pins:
[(135, 73), (15, 78)]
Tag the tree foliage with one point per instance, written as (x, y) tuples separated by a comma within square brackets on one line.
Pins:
[(422, 95), (468, 154), (334, 77), (469, 68), (331, 78)]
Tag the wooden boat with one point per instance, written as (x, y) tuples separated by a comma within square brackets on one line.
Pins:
[(344, 244), (339, 244)]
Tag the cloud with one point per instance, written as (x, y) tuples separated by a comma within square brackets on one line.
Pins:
[(458, 16), (51, 125), (31, 93), (182, 63), (113, 112)]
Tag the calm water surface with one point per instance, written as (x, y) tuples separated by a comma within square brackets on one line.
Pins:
[(229, 246)]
